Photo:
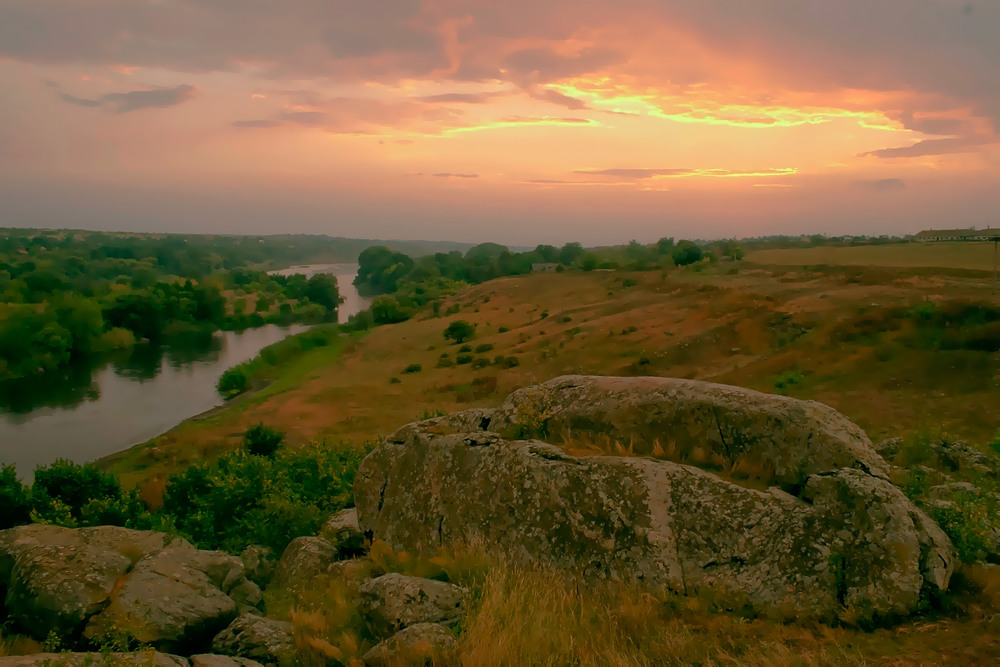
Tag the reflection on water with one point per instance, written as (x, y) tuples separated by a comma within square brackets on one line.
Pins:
[(91, 410)]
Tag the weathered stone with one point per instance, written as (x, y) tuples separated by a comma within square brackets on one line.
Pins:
[(888, 448), (841, 536), (952, 489), (174, 600), (351, 572), (423, 643), (343, 532), (140, 659), (395, 601), (795, 438), (211, 660), (304, 559), (259, 563), (56, 578), (257, 638), (962, 457)]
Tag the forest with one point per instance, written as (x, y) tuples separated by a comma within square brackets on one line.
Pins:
[(66, 295)]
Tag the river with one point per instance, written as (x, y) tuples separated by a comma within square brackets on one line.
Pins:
[(88, 412)]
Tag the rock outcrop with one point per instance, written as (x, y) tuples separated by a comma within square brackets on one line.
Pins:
[(101, 581), (788, 510), (262, 639), (304, 559), (396, 601), (420, 644)]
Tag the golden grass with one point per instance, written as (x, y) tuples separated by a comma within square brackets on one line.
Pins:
[(976, 256)]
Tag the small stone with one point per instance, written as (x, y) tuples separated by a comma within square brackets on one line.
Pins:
[(423, 643), (396, 601)]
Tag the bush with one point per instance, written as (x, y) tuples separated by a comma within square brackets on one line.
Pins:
[(413, 368), (445, 362), (465, 348), (459, 331), (463, 359), (686, 252), (260, 440), (63, 489), (480, 362), (15, 505), (233, 381), (485, 347), (511, 362), (503, 329)]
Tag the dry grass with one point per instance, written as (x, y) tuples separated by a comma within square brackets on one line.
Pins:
[(973, 256)]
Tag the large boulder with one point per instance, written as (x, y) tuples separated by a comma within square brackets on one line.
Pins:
[(342, 531), (396, 601), (263, 639), (304, 559), (139, 659), (55, 578), (176, 599), (420, 644), (259, 563), (814, 531)]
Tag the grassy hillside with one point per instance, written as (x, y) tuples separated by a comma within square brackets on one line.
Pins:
[(974, 256), (849, 337)]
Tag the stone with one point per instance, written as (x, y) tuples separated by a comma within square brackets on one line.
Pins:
[(258, 564), (174, 600), (958, 456), (210, 660), (820, 532), (263, 639), (139, 659), (304, 559), (56, 578), (888, 448), (423, 643), (395, 601), (952, 489), (343, 532)]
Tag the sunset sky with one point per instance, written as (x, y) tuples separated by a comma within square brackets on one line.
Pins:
[(507, 120)]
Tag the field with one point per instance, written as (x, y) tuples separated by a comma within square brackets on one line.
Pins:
[(831, 334), (899, 350), (976, 256)]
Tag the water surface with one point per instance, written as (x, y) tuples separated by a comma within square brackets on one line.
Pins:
[(90, 411)]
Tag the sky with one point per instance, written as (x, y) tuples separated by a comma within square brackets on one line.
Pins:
[(513, 121)]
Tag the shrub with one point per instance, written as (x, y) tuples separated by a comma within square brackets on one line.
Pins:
[(465, 348), (503, 329), (15, 505), (686, 252), (994, 444), (629, 282), (261, 440), (395, 381), (233, 381), (459, 331), (511, 362), (63, 489), (480, 362), (445, 362), (413, 368), (463, 359), (485, 347)]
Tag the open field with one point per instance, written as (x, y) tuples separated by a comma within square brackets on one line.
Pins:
[(840, 336), (868, 341), (973, 256)]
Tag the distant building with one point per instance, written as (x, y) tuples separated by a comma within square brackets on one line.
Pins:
[(971, 234), (549, 267)]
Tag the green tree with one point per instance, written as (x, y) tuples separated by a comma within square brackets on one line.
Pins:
[(687, 252), (15, 506), (459, 331), (665, 246)]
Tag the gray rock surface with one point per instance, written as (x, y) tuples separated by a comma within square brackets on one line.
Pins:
[(56, 578), (263, 639), (958, 456), (840, 535), (175, 599), (304, 559), (210, 660), (141, 659), (396, 601), (258, 564), (423, 643), (343, 532)]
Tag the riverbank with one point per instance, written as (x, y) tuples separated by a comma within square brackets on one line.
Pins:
[(178, 447)]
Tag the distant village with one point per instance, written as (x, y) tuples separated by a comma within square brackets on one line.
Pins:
[(972, 234)]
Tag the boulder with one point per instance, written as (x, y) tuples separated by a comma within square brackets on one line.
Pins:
[(176, 599), (343, 532), (958, 456), (304, 559), (56, 578), (819, 531), (258, 564), (396, 601), (139, 659), (263, 639), (210, 660), (423, 643)]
